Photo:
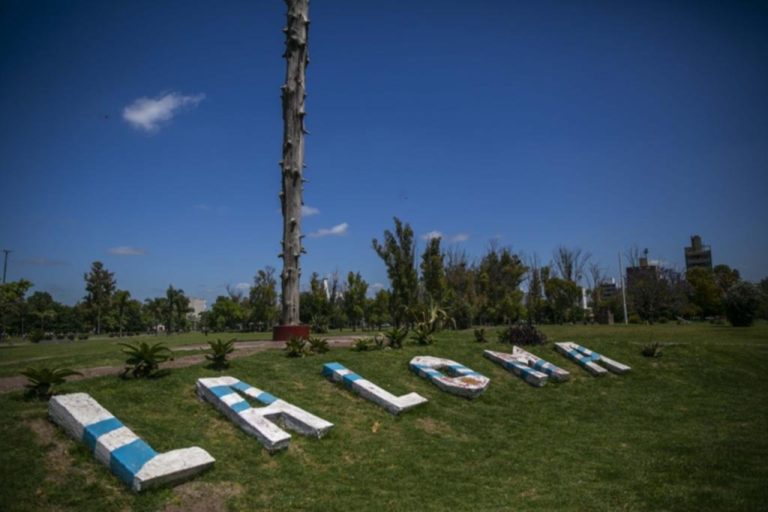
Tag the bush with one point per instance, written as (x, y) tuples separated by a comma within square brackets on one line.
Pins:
[(396, 336), (525, 334), (71, 336), (652, 350), (362, 344), (36, 336), (380, 341), (319, 323), (42, 380), (422, 333), (296, 347), (49, 336), (144, 359), (480, 335), (219, 352), (82, 336), (318, 345), (742, 303), (60, 336)]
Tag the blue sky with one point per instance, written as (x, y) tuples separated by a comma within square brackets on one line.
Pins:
[(147, 134)]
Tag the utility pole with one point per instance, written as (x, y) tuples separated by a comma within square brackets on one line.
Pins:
[(623, 290), (5, 263)]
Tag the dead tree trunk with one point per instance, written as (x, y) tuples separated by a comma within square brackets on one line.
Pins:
[(292, 164)]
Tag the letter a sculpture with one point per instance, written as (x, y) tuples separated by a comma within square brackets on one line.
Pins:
[(530, 368), (224, 394), (370, 391), (461, 380), (113, 444), (588, 359)]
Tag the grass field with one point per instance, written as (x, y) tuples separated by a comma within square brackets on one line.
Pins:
[(687, 431)]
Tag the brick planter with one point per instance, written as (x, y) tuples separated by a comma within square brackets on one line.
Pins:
[(286, 332)]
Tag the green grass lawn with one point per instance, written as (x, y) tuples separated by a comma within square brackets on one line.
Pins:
[(687, 431), (99, 351)]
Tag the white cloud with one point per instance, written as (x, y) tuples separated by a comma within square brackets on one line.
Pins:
[(431, 235), (308, 211), (203, 207), (147, 113), (338, 230), (125, 250), (242, 286), (376, 286), (460, 237)]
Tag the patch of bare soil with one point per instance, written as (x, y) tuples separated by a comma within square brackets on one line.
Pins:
[(202, 496)]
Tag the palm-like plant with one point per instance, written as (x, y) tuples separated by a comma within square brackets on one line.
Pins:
[(42, 380), (219, 352), (422, 333), (396, 336), (144, 359)]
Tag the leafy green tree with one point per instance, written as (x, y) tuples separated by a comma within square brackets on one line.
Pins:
[(314, 303), (263, 299), (378, 309), (42, 307), (121, 300), (500, 274), (100, 285), (398, 254), (433, 272), (562, 299), (461, 296), (13, 305), (534, 300), (742, 302), (226, 314), (706, 295), (354, 299), (763, 287), (725, 277), (176, 309), (155, 311)]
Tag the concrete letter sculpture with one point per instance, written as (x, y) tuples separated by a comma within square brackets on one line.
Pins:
[(461, 380), (132, 460), (530, 368), (588, 359), (370, 391), (224, 394)]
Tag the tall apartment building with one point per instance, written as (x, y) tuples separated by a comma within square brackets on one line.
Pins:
[(698, 255)]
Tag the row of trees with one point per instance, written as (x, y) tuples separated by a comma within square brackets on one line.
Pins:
[(105, 308), (501, 287)]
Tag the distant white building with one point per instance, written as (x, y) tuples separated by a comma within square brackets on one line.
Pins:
[(198, 306)]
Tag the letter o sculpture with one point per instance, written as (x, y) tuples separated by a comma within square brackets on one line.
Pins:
[(461, 381)]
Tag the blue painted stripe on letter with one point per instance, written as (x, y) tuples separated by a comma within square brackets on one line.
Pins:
[(266, 398), (349, 378), (128, 460), (221, 391), (95, 430), (240, 406), (241, 386)]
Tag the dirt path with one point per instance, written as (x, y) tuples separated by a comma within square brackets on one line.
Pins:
[(242, 349)]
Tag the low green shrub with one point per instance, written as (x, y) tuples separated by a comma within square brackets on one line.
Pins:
[(296, 347), (36, 336), (218, 353), (144, 359), (652, 350), (396, 336), (522, 334), (362, 344), (82, 336), (742, 302), (318, 345), (422, 333), (41, 381), (71, 336), (480, 335)]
